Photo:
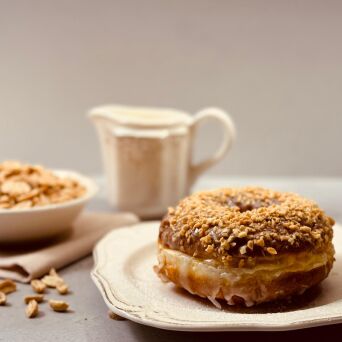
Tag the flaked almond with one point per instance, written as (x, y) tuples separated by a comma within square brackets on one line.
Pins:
[(26, 186), (8, 286), (38, 286), (3, 298), (23, 205), (38, 298), (32, 309), (260, 242), (14, 188), (58, 305)]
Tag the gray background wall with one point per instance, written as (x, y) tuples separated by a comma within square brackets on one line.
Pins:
[(275, 65)]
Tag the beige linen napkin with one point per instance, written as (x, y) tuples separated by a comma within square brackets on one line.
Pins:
[(33, 260)]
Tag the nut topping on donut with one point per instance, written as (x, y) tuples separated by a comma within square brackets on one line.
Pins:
[(246, 246), (245, 222)]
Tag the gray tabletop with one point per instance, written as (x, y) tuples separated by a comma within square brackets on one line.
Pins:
[(88, 320)]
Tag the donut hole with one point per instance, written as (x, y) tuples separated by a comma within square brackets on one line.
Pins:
[(248, 204)]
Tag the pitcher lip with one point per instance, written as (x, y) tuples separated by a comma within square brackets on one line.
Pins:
[(140, 116)]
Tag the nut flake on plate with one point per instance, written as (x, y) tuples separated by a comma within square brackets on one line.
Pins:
[(25, 186)]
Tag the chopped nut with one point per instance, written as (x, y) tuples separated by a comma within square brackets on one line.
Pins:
[(250, 244), (116, 317), (38, 286), (58, 305), (225, 245), (271, 250), (243, 249), (242, 234), (54, 273), (2, 298), (305, 229), (62, 288), (52, 281), (7, 286), (263, 217), (32, 309), (209, 249), (38, 298), (316, 236)]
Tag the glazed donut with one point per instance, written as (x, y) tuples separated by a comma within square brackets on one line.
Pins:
[(246, 245)]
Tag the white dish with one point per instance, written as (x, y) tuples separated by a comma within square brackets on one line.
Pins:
[(41, 222), (124, 274)]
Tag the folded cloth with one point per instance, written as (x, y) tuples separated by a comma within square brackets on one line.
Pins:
[(32, 260)]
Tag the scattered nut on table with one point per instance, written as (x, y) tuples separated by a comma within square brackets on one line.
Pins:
[(54, 273), (62, 288), (52, 281), (3, 298), (58, 305), (7, 286), (32, 309), (116, 317), (38, 298), (38, 286)]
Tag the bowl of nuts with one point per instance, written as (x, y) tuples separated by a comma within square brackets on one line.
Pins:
[(37, 203)]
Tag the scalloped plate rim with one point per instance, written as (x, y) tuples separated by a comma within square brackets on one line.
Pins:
[(132, 315)]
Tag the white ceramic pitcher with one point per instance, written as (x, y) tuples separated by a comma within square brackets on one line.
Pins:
[(147, 154)]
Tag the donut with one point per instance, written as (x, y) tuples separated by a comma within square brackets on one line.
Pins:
[(245, 246)]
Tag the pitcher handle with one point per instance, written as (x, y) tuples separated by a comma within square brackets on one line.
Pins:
[(228, 138)]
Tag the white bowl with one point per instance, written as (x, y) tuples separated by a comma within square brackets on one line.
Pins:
[(43, 222)]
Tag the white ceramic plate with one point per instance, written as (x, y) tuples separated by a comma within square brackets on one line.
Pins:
[(20, 225), (123, 273)]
